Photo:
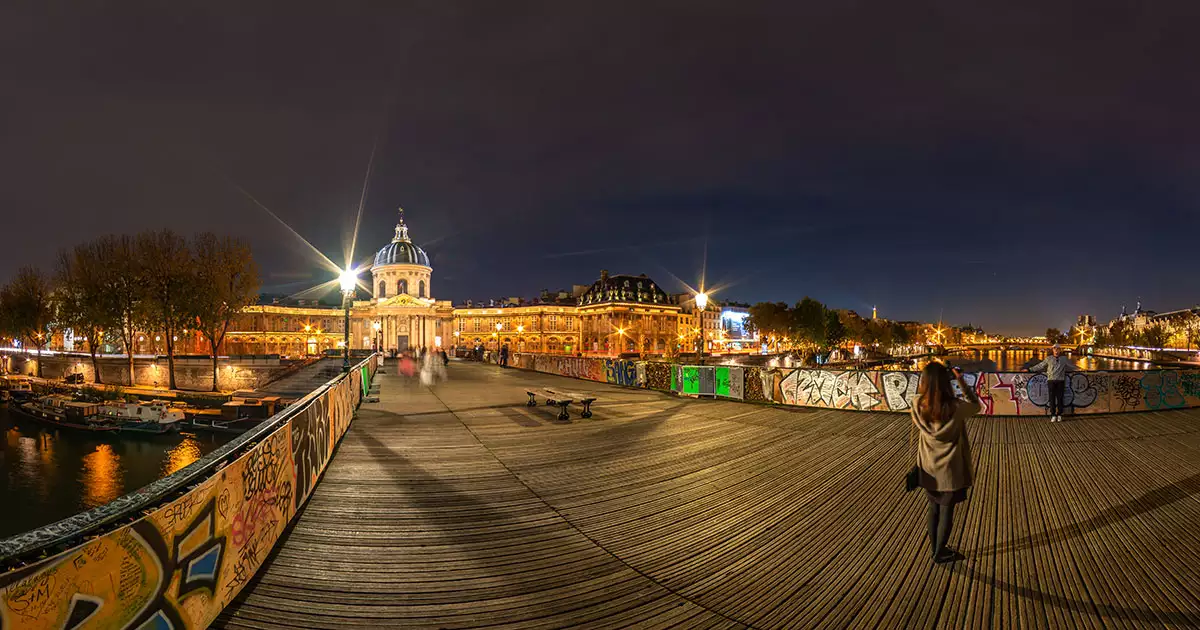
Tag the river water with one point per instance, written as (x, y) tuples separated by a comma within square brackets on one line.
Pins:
[(1016, 360), (50, 474)]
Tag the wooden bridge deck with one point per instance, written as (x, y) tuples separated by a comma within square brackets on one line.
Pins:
[(461, 507)]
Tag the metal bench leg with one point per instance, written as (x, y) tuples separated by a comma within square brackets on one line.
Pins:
[(587, 409), (563, 415), (532, 402)]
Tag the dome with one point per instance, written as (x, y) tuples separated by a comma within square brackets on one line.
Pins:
[(636, 289), (401, 250)]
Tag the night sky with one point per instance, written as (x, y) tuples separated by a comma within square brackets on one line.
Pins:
[(1010, 167)]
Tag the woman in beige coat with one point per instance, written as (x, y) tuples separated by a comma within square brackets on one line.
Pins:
[(943, 452)]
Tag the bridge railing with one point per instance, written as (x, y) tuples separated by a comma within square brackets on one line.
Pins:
[(176, 552), (1001, 393)]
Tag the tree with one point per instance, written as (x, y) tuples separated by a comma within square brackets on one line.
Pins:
[(226, 282), (82, 297), (1154, 336), (165, 271), (1119, 333), (119, 269), (27, 300), (856, 328), (770, 319), (1053, 335), (808, 322), (835, 332)]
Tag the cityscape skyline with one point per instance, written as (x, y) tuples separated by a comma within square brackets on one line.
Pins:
[(782, 150)]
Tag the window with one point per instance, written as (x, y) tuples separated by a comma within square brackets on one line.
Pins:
[(382, 289), (421, 289), (401, 286)]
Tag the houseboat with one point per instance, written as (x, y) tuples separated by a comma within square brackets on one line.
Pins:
[(61, 411), (18, 388), (154, 417)]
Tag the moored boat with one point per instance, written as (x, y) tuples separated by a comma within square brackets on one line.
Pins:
[(18, 388), (61, 411), (154, 417)]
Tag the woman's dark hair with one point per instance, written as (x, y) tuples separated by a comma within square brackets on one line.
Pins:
[(935, 397)]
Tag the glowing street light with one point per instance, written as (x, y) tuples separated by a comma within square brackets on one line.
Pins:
[(348, 280), (701, 299), (377, 326)]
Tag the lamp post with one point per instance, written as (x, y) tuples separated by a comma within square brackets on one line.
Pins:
[(377, 326), (701, 302), (348, 279)]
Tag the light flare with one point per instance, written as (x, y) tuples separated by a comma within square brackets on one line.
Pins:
[(321, 258)]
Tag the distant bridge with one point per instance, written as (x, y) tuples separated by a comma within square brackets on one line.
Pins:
[(1008, 345)]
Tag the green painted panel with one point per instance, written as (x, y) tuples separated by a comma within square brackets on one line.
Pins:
[(722, 381), (691, 380)]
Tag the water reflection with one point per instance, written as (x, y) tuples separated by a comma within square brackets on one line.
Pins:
[(101, 476), (1017, 360), (52, 473), (183, 454)]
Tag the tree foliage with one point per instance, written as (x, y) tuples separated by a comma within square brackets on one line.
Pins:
[(226, 281), (82, 297), (29, 306)]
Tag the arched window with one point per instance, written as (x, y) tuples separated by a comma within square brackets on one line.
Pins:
[(382, 289), (421, 289), (401, 287)]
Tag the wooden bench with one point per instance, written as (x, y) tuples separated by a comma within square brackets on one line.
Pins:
[(562, 399)]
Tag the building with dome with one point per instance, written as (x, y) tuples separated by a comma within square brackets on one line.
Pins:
[(615, 315), (400, 314)]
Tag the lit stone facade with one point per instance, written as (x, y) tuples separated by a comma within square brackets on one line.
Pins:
[(616, 315), (538, 328), (400, 315), (628, 314)]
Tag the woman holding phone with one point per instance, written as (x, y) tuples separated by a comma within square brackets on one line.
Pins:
[(943, 452)]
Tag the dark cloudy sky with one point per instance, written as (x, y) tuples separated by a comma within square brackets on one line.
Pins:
[(1010, 166)]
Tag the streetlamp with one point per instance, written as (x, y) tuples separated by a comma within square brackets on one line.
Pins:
[(520, 337), (701, 302), (377, 326), (348, 279)]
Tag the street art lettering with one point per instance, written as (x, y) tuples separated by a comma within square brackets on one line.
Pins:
[(619, 372), (310, 446), (179, 565), (1161, 390), (1127, 390), (837, 390), (900, 389)]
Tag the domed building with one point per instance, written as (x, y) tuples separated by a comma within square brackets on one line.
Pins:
[(615, 315), (401, 314)]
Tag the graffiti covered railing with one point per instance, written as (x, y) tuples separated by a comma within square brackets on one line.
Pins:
[(199, 534), (1001, 393), (614, 371)]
